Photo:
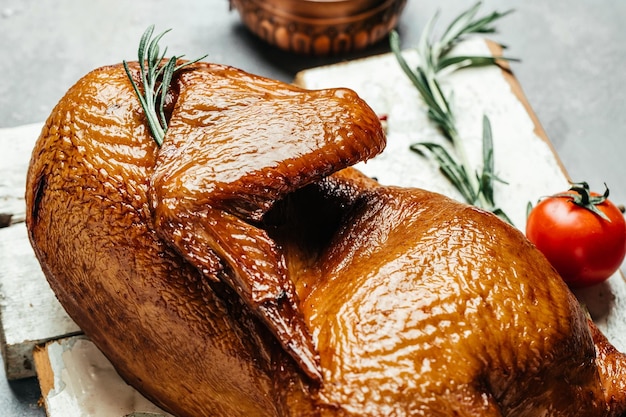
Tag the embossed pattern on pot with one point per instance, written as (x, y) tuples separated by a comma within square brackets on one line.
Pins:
[(320, 27)]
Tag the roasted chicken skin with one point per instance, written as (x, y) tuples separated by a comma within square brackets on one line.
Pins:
[(243, 269)]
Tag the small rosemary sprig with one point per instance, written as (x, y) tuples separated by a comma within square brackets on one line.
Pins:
[(155, 79), (476, 188)]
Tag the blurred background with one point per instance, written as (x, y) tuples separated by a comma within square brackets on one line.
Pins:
[(572, 71)]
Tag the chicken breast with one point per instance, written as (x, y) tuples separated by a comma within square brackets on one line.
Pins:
[(243, 269), (422, 306)]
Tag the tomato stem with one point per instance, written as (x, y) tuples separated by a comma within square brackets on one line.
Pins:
[(581, 196)]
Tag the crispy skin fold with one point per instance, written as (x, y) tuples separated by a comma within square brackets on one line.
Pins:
[(235, 145), (243, 269)]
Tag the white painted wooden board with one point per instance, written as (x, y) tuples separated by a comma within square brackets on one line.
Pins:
[(78, 381), (16, 145), (29, 310), (524, 158)]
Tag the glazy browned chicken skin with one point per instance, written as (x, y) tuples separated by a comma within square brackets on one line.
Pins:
[(243, 269)]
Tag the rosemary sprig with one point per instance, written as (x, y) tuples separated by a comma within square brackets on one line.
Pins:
[(155, 79), (476, 189)]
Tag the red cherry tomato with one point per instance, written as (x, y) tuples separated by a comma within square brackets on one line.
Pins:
[(583, 247)]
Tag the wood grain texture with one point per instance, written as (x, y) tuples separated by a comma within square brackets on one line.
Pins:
[(30, 311), (15, 148)]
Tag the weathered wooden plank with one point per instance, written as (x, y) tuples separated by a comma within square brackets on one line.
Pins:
[(29, 310), (77, 380), (16, 145)]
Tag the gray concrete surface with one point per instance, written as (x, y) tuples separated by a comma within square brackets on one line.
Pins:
[(572, 71)]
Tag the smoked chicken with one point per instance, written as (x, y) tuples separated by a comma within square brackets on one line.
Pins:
[(244, 269)]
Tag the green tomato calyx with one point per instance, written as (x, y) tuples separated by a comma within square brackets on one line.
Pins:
[(581, 196)]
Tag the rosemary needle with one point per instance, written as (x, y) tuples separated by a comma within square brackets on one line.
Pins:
[(156, 77), (476, 188)]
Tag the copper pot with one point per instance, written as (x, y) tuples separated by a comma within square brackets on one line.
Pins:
[(320, 27)]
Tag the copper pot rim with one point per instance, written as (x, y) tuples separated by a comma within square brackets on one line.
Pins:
[(273, 7), (325, 8)]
